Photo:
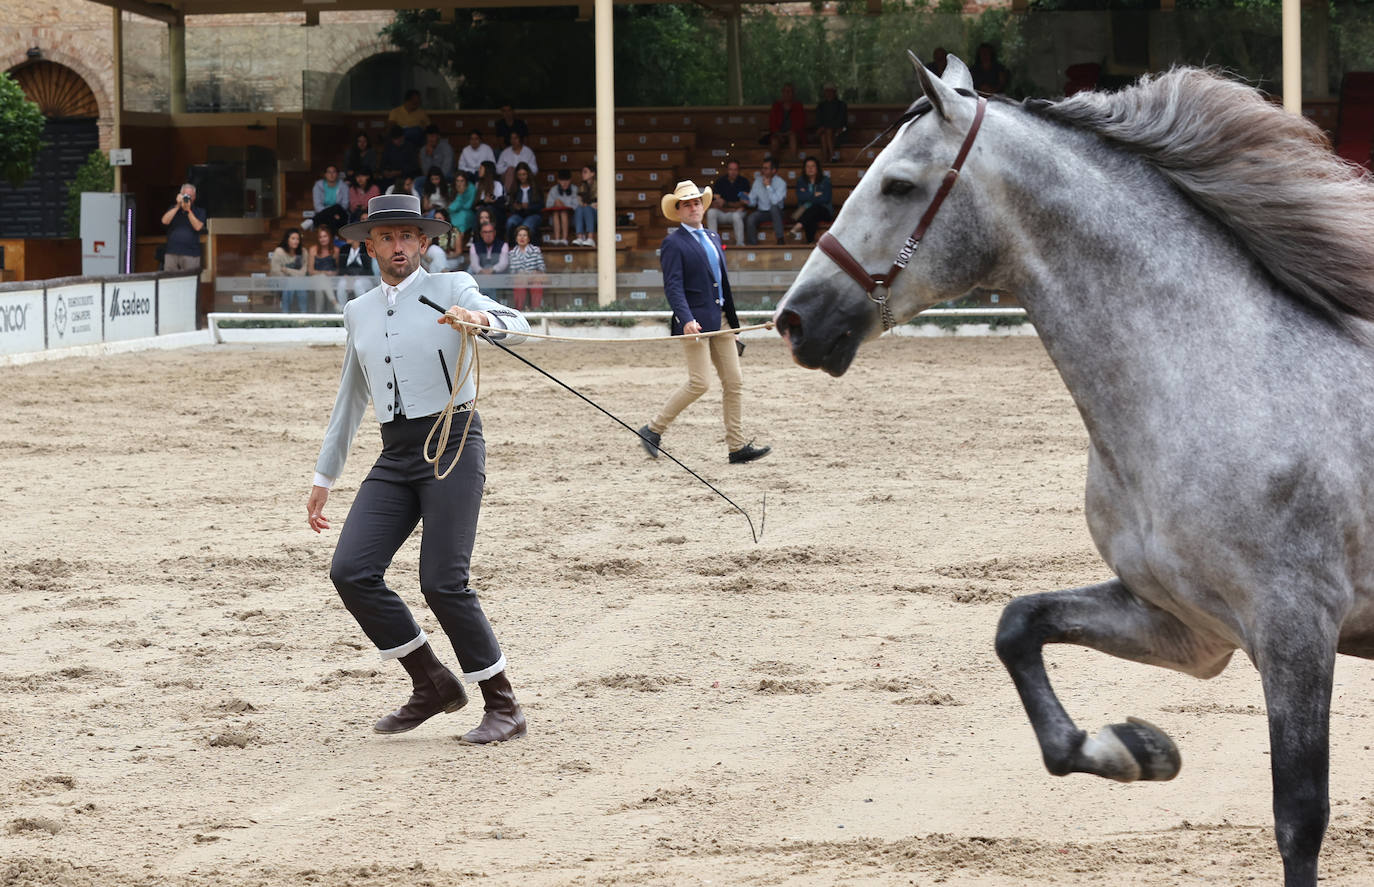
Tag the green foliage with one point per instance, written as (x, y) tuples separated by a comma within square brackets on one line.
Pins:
[(22, 123), (674, 54), (532, 57), (95, 174), (668, 54)]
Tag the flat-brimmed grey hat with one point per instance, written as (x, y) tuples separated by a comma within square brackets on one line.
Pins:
[(394, 209)]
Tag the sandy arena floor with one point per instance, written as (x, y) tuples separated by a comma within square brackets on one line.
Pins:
[(184, 701)]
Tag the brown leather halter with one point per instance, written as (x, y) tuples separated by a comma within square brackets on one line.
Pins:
[(831, 246)]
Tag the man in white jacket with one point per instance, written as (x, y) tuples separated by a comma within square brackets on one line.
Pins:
[(404, 358)]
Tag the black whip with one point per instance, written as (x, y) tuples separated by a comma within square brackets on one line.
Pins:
[(762, 518)]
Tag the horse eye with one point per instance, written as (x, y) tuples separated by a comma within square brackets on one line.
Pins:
[(897, 188)]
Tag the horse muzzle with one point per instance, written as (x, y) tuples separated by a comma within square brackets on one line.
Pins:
[(824, 329)]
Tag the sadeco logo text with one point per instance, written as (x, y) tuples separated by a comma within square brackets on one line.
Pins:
[(129, 306)]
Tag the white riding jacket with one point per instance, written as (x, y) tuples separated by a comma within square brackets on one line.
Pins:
[(404, 346)]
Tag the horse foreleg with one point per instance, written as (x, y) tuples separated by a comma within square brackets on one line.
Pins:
[(1296, 666), (1109, 618)]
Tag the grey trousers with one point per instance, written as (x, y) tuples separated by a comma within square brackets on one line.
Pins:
[(397, 494)]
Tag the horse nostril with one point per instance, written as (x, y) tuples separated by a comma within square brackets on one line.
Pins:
[(789, 325)]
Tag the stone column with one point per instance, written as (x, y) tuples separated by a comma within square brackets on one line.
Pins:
[(176, 56)]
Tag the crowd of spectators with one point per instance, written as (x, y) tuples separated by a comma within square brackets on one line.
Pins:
[(490, 193)]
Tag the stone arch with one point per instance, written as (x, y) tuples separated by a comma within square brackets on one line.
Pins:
[(58, 90), (92, 60)]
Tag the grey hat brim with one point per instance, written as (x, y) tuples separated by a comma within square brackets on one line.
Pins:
[(360, 230)]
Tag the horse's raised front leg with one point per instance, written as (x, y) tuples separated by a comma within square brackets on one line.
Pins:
[(1296, 660), (1109, 618)]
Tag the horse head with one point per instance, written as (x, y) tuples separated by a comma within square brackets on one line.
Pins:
[(842, 295)]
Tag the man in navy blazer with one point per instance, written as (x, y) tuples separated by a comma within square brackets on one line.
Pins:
[(697, 285)]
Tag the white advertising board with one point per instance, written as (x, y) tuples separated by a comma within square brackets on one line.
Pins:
[(75, 315), (21, 321), (129, 307), (176, 304)]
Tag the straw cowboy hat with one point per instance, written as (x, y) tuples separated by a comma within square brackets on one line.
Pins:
[(684, 191), (394, 209)]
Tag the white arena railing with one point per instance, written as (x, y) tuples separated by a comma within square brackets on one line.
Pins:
[(540, 320)]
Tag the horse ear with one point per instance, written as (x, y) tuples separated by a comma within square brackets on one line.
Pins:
[(957, 74), (942, 97)]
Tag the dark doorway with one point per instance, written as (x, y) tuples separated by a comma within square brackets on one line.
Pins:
[(35, 208), (380, 82)]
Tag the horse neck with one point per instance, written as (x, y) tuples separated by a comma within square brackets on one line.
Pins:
[(1124, 278)]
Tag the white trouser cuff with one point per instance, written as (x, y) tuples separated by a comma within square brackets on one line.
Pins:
[(406, 648), (475, 676)]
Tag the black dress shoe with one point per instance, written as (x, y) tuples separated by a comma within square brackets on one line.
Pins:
[(748, 453), (649, 440)]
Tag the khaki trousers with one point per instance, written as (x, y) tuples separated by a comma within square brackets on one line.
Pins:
[(701, 354)]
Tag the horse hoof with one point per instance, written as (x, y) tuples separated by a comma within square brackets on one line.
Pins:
[(1132, 751)]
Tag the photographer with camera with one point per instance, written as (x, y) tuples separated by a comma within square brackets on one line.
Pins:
[(184, 223)]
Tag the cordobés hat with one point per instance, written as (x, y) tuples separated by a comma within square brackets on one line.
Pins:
[(394, 209), (684, 191)]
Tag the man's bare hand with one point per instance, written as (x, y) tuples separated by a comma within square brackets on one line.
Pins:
[(462, 320), (314, 509)]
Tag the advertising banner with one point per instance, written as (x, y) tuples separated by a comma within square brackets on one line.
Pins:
[(75, 315), (176, 304), (129, 309), (21, 321)]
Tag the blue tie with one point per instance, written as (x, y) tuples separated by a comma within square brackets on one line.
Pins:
[(711, 255)]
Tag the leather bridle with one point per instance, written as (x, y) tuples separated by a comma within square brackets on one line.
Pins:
[(871, 283)]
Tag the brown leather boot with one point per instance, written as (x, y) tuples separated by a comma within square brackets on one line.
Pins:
[(436, 690), (502, 720)]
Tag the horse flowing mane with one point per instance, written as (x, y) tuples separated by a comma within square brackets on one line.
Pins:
[(1267, 175)]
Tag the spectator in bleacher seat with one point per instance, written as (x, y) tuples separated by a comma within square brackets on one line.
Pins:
[(436, 151), (359, 193), (471, 159), (434, 193), (491, 195), (814, 204), (832, 119), (361, 155), (527, 264), (405, 185), (584, 217), (524, 202), (410, 118), (939, 58), (510, 124), (513, 156), (439, 256), (184, 222), (322, 260), (697, 284), (989, 75), (488, 253), (730, 201), (562, 202), (398, 158), (460, 211), (358, 266), (288, 260), (330, 196), (786, 120), (766, 197)]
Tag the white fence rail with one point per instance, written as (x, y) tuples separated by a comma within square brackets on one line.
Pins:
[(540, 320)]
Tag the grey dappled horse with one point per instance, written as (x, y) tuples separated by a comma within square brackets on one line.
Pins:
[(1201, 271)]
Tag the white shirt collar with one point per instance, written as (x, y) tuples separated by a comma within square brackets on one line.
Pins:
[(393, 291)]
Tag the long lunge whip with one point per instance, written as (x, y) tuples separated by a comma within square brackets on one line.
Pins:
[(763, 516)]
